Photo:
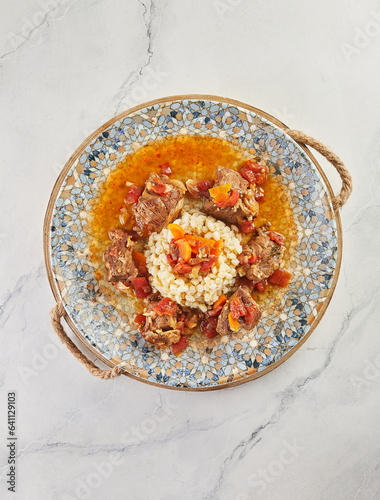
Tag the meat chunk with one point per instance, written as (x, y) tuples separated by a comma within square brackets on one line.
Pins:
[(162, 326), (118, 257), (240, 311), (160, 203), (245, 208), (261, 256)]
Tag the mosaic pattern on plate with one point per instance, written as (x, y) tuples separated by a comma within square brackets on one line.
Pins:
[(231, 358)]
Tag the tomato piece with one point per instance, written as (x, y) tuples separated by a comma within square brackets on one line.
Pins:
[(140, 320), (248, 226), (237, 308), (259, 194), (165, 306), (180, 345), (170, 259), (204, 186), (232, 200), (208, 326), (183, 268), (159, 187), (133, 194), (276, 237), (261, 286), (207, 265), (165, 169), (141, 287), (234, 323), (253, 314), (140, 262), (184, 249), (176, 231), (253, 172), (281, 277)]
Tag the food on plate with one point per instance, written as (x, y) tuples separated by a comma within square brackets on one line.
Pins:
[(196, 249)]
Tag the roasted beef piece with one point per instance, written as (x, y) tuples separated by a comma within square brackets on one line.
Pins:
[(261, 256), (240, 311), (118, 257), (160, 203), (161, 329), (246, 207)]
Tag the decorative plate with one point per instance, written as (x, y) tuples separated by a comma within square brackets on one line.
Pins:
[(229, 361)]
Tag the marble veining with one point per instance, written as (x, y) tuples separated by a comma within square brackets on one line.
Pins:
[(309, 429)]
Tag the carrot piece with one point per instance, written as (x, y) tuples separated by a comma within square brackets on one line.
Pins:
[(140, 262), (220, 193), (234, 323), (184, 250), (176, 231), (222, 300)]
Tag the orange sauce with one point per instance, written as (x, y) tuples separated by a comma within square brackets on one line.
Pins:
[(188, 157)]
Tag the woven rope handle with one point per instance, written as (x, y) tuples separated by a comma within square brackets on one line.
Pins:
[(346, 190), (56, 314)]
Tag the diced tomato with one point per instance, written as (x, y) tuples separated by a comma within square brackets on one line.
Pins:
[(276, 237), (247, 226), (204, 186), (237, 308), (281, 277), (176, 231), (207, 265), (234, 323), (180, 345), (140, 262), (165, 169), (261, 286), (208, 326), (140, 320), (232, 200), (141, 287), (253, 172), (259, 194), (133, 194), (253, 314), (244, 281), (184, 249), (165, 306), (183, 268), (170, 259), (159, 187)]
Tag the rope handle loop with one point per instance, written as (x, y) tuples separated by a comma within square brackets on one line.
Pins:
[(342, 197), (56, 314)]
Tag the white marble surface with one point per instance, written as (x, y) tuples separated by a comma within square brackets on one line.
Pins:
[(310, 429)]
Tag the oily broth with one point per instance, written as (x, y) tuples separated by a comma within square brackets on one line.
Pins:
[(189, 157)]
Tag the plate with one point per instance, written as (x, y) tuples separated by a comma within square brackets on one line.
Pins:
[(230, 360)]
